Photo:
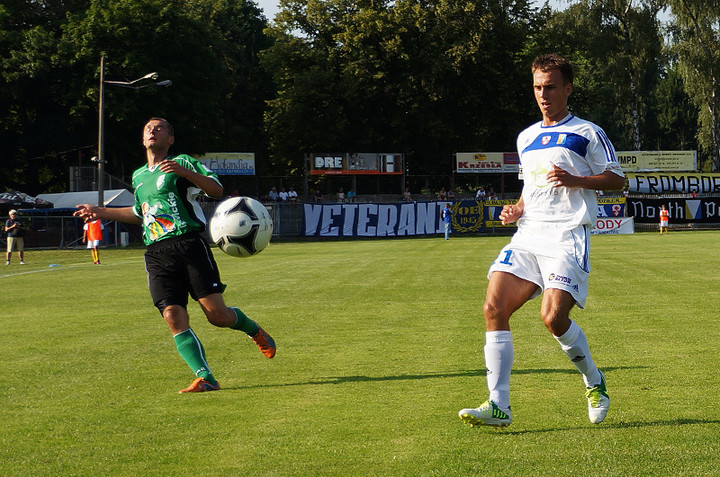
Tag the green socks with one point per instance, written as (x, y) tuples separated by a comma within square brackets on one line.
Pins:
[(192, 351), (243, 323)]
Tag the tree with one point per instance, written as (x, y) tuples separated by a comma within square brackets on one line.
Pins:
[(616, 47), (677, 116), (697, 46), (50, 71), (422, 77)]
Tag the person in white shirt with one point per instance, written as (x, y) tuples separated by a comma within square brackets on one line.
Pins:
[(283, 195), (292, 195), (564, 159)]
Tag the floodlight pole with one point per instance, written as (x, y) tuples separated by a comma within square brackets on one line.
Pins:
[(101, 119)]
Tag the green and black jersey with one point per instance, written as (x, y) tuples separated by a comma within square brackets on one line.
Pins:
[(167, 203)]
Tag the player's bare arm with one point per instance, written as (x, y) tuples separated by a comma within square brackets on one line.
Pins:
[(607, 180), (207, 184), (510, 213), (89, 212)]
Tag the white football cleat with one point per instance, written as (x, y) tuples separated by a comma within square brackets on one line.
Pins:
[(598, 401), (488, 414)]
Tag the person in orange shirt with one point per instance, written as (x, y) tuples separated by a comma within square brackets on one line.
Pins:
[(93, 235), (664, 219)]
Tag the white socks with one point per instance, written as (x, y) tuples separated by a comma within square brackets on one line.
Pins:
[(575, 346), (499, 357)]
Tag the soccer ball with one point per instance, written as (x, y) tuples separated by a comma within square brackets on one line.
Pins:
[(241, 226)]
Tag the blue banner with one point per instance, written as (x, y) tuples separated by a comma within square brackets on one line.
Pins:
[(611, 207), (399, 219)]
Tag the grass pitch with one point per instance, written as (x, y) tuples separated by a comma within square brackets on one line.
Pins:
[(379, 346)]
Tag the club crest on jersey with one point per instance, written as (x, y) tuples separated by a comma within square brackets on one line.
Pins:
[(160, 181), (546, 140)]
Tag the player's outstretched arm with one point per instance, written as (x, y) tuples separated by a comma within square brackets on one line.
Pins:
[(89, 212)]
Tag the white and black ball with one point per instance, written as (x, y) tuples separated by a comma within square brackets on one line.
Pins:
[(241, 226)]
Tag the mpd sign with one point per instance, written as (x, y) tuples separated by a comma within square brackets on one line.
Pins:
[(665, 161)]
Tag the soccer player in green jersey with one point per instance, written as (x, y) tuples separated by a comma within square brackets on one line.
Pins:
[(178, 259)]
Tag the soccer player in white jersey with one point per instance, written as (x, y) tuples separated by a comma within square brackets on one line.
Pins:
[(564, 160)]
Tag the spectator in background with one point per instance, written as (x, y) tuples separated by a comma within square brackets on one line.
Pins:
[(340, 195), (93, 236), (491, 194), (273, 195), (351, 195), (480, 194), (451, 194), (292, 195), (442, 195), (15, 236), (283, 196), (318, 197), (406, 195)]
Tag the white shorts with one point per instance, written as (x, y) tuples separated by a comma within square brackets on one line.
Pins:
[(93, 243), (664, 223), (549, 256)]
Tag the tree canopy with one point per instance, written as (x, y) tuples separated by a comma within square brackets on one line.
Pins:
[(423, 77)]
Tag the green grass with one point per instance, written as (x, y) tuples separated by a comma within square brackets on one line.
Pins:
[(379, 345)]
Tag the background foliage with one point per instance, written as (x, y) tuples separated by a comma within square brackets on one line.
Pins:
[(422, 77)]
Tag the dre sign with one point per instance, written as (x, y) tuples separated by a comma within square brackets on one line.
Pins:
[(328, 162)]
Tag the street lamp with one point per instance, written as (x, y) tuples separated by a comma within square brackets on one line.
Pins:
[(101, 118)]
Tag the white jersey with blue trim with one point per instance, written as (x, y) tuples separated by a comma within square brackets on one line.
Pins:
[(577, 146)]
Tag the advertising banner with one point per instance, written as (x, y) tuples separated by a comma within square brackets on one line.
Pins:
[(486, 162), (406, 219), (682, 211), (611, 207), (664, 161), (356, 164), (399, 219), (664, 183), (229, 163), (613, 226)]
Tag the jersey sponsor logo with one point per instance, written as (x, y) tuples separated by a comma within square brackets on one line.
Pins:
[(564, 280), (160, 181), (561, 139), (156, 224), (538, 175), (559, 278)]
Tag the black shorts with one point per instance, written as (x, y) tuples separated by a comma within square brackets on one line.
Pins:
[(180, 266)]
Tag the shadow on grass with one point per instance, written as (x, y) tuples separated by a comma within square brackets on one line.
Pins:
[(415, 377), (616, 425)]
